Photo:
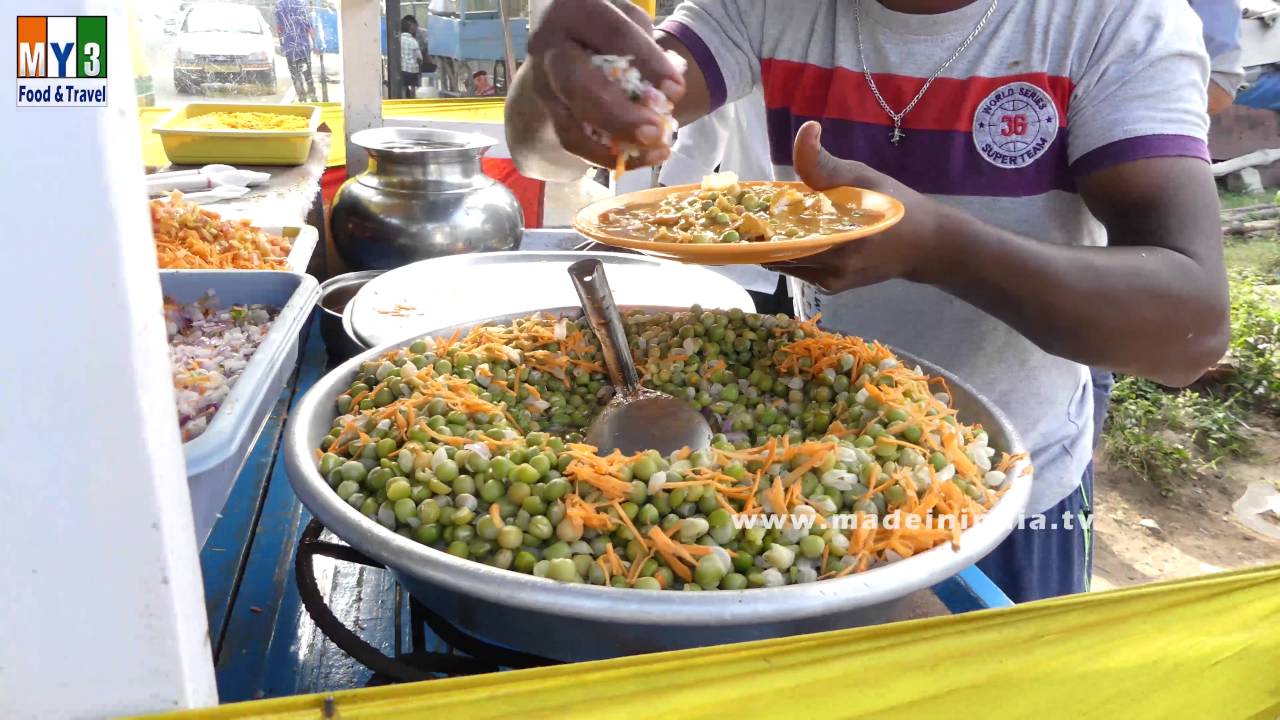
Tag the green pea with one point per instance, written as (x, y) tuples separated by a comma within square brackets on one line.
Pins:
[(428, 511), (492, 490), (557, 550), (708, 572), (895, 495), (477, 463), (518, 493), (404, 509), (534, 505), (912, 433), (938, 460), (540, 527), (398, 489), (464, 484), (897, 415), (525, 561), (811, 546), (447, 471), (500, 467), (555, 489), (329, 463), (486, 528), (644, 468), (729, 236), (353, 470), (509, 537), (525, 473), (647, 583), (427, 534), (562, 569), (734, 581), (541, 463), (459, 548)]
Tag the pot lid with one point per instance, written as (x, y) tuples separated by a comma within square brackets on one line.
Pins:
[(458, 289)]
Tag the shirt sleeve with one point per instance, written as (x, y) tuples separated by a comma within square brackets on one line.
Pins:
[(1141, 91), (724, 38), (1222, 39), (699, 148)]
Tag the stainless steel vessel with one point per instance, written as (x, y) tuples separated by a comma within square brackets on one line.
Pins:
[(335, 294), (430, 294), (423, 196), (586, 622)]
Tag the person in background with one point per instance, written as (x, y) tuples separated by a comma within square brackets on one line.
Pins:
[(294, 28), (734, 138), (480, 81), (410, 57), (1221, 29), (420, 34)]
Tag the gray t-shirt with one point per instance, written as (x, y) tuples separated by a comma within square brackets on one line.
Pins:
[(1048, 92)]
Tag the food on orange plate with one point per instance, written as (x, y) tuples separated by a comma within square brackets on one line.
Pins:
[(724, 210), (188, 237)]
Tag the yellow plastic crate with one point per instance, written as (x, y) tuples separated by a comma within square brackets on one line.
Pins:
[(192, 146)]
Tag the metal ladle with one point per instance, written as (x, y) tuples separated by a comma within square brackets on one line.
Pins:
[(636, 418)]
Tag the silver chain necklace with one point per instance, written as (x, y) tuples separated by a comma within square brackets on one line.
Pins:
[(896, 136)]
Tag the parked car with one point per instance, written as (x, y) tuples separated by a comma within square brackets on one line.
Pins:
[(224, 43)]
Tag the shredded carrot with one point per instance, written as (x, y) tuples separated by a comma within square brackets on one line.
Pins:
[(496, 515)]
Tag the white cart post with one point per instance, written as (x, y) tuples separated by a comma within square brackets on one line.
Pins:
[(101, 600), (361, 74)]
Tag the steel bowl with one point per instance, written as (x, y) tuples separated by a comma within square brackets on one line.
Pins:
[(335, 294), (587, 622)]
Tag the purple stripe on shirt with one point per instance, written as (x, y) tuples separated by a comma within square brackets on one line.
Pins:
[(1140, 148), (701, 55), (936, 162)]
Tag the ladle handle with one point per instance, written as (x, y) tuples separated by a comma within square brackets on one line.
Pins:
[(597, 302)]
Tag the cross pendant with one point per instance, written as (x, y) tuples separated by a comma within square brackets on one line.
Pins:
[(897, 135)]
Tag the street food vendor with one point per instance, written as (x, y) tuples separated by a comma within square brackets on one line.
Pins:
[(1051, 156)]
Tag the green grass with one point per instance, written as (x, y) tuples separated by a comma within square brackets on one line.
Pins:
[(1235, 199), (1164, 435), (1254, 256)]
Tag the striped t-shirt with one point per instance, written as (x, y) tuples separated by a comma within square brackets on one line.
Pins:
[(1048, 92)]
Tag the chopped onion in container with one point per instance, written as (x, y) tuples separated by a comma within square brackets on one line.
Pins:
[(209, 347)]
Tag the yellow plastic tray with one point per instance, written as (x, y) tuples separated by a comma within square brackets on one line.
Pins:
[(191, 146)]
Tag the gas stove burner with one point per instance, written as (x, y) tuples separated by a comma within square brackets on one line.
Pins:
[(469, 655)]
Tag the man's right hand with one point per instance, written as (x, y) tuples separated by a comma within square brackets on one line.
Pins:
[(558, 90)]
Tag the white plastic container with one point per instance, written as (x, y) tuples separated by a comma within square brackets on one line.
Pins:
[(303, 240), (215, 458)]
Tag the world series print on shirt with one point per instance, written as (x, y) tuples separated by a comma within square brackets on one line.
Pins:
[(1015, 125)]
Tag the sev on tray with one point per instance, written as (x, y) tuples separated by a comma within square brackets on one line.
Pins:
[(189, 237), (247, 121)]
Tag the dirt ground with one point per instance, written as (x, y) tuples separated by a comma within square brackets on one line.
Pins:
[(1195, 529)]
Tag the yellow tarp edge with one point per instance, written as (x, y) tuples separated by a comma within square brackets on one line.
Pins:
[(1205, 647), (477, 110)]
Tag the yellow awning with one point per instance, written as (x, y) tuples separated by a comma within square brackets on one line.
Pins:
[(1207, 647)]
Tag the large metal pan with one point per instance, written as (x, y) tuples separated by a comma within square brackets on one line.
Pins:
[(585, 622)]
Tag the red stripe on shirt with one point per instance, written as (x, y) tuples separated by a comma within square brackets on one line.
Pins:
[(842, 94)]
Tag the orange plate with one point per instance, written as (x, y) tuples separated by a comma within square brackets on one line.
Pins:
[(587, 222)]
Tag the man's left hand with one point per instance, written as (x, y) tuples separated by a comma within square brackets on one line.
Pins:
[(908, 250)]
